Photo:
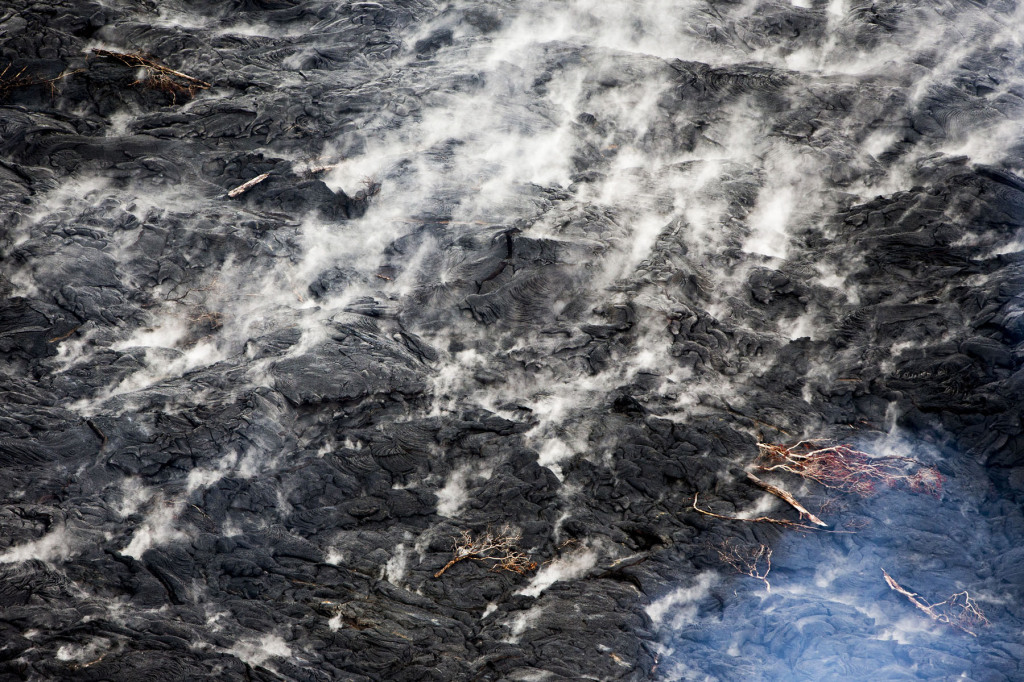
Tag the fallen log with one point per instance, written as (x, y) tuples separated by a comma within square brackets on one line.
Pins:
[(787, 498), (840, 467), (760, 519), (245, 186)]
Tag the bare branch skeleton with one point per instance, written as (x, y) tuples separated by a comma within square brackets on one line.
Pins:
[(750, 560), (501, 548), (958, 611), (840, 467), (786, 497), (760, 519)]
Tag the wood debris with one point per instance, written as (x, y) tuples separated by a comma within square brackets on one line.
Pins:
[(786, 497), (152, 66), (958, 611), (501, 548), (755, 561), (760, 519), (840, 467), (246, 186)]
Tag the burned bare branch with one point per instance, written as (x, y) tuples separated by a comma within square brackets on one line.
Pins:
[(12, 81), (761, 519), (786, 497), (500, 548), (840, 467), (134, 59), (157, 76), (958, 611), (755, 561)]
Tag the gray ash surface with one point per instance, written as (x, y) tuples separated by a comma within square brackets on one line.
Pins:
[(545, 268)]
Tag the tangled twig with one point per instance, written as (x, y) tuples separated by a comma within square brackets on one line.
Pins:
[(748, 560), (156, 75), (11, 81), (842, 468), (501, 548), (958, 611), (193, 290)]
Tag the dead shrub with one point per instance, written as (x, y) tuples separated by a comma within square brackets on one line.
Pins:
[(499, 548), (752, 560), (840, 467)]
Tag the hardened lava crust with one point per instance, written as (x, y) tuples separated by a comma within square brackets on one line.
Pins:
[(511, 340)]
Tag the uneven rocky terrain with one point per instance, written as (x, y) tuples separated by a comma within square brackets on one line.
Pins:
[(295, 293)]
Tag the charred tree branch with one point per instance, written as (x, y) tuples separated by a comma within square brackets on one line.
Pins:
[(958, 611), (786, 497), (500, 548)]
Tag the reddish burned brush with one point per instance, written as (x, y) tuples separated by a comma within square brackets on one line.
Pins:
[(842, 468)]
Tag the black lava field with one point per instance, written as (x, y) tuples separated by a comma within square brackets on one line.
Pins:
[(521, 340)]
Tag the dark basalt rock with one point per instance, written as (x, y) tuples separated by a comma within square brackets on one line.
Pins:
[(360, 366), (501, 274)]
